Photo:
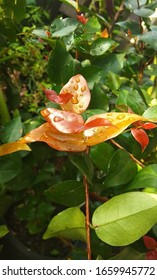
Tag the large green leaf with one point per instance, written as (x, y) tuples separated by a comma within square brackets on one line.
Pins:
[(146, 178), (125, 218), (101, 155), (84, 163), (61, 66), (110, 62), (121, 170), (100, 46), (10, 166), (69, 193), (69, 223), (12, 130)]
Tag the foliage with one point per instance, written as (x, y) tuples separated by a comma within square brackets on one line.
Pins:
[(99, 78)]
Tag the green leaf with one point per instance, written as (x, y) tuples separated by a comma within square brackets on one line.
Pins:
[(92, 26), (114, 81), (19, 10), (3, 230), (63, 27), (61, 66), (10, 166), (135, 102), (110, 62), (99, 98), (70, 3), (143, 12), (150, 39), (101, 155), (151, 113), (146, 178), (125, 218), (83, 162), (121, 169), (12, 131), (69, 223), (100, 46), (129, 254), (69, 193), (92, 74)]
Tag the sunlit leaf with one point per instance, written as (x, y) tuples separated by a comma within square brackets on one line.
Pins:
[(141, 137), (120, 121), (3, 230), (125, 218), (151, 113), (77, 86), (63, 121), (69, 223), (9, 148)]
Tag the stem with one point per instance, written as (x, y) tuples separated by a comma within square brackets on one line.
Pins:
[(87, 221), (120, 147), (4, 112), (121, 8)]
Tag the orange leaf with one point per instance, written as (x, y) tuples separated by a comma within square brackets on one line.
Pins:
[(54, 97), (149, 125), (63, 121), (82, 18), (77, 86), (119, 121), (9, 148), (141, 137)]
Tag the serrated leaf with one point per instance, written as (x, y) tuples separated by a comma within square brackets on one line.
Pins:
[(69, 223), (125, 218), (69, 193)]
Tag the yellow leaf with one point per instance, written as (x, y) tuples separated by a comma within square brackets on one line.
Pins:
[(120, 121), (9, 148)]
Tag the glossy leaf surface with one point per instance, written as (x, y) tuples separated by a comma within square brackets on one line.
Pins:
[(69, 223), (141, 137), (125, 218)]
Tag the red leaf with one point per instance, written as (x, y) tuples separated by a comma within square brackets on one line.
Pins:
[(148, 125), (82, 18), (141, 137), (97, 122), (149, 242), (54, 97)]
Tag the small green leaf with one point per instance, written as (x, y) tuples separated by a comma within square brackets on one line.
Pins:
[(125, 218), (3, 230), (114, 81), (69, 193), (12, 131), (101, 155), (69, 223), (135, 102), (121, 169), (129, 254), (150, 39), (63, 27), (61, 66), (143, 12), (146, 178), (151, 113), (10, 166), (99, 98), (84, 163), (100, 46)]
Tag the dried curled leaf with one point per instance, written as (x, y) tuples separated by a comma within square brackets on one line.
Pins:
[(77, 86)]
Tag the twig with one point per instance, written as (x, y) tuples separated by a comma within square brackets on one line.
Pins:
[(120, 147), (85, 182), (117, 14)]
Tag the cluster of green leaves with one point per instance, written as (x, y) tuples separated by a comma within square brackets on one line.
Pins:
[(120, 69)]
